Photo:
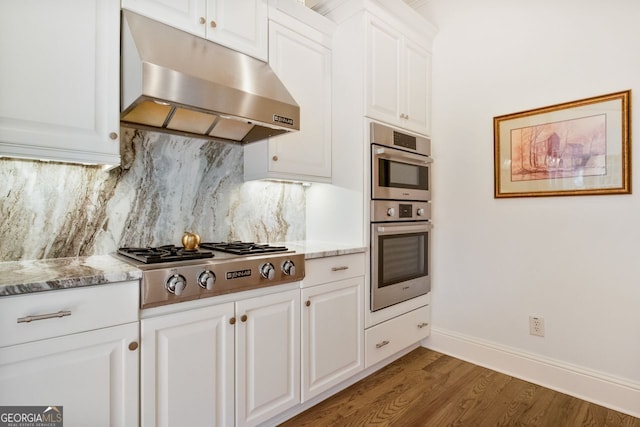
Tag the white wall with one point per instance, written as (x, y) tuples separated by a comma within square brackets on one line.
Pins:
[(573, 260)]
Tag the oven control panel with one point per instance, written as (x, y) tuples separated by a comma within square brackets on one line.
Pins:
[(394, 210)]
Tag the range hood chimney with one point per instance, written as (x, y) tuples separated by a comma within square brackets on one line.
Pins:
[(175, 82)]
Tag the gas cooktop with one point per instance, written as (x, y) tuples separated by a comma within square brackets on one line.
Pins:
[(173, 274)]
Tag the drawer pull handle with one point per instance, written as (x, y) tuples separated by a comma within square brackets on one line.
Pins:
[(422, 325), (28, 319), (382, 344), (344, 267)]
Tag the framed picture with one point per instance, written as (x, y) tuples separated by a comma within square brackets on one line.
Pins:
[(576, 148)]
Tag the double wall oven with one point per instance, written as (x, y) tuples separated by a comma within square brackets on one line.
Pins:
[(400, 216)]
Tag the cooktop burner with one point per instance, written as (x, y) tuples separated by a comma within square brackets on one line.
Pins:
[(171, 253), (164, 254), (243, 248)]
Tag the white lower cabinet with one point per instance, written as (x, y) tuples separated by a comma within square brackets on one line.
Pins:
[(267, 356), (331, 334), (386, 339), (187, 368), (332, 322), (93, 376), (197, 365), (85, 361)]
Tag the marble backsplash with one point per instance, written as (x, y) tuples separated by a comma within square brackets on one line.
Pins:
[(165, 185)]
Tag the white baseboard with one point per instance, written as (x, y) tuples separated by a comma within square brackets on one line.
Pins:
[(596, 387)]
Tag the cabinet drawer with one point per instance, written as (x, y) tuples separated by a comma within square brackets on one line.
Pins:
[(385, 339), (330, 269), (91, 307)]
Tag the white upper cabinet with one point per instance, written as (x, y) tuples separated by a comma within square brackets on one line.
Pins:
[(60, 80), (238, 24), (398, 88), (382, 63), (300, 55)]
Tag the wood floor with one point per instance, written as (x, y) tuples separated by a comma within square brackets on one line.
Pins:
[(426, 388)]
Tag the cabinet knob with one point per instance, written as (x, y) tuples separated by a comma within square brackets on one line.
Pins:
[(243, 318), (133, 346), (232, 321), (202, 20), (113, 136), (308, 303), (274, 158), (213, 24)]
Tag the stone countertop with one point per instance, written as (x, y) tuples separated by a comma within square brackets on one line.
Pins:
[(317, 249), (21, 277)]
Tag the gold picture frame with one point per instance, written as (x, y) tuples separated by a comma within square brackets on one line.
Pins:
[(576, 148)]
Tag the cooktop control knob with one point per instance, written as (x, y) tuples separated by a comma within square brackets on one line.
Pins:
[(176, 284), (289, 268), (391, 212), (207, 279), (267, 271), (420, 211)]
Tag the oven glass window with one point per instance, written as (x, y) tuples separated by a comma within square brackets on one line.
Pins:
[(401, 257), (402, 175)]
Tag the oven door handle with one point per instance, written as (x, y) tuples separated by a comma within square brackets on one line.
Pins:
[(403, 228), (410, 158)]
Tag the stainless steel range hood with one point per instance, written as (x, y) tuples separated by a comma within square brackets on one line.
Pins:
[(175, 82)]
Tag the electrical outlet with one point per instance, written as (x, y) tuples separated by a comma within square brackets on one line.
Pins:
[(536, 326)]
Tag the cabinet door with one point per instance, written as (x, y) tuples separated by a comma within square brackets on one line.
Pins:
[(187, 15), (187, 368), (239, 24), (93, 376), (383, 72), (267, 356), (59, 80), (332, 334), (303, 64), (417, 88)]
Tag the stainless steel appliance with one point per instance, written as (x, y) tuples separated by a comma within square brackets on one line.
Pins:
[(400, 164), (175, 82), (400, 261), (173, 274), (400, 216)]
